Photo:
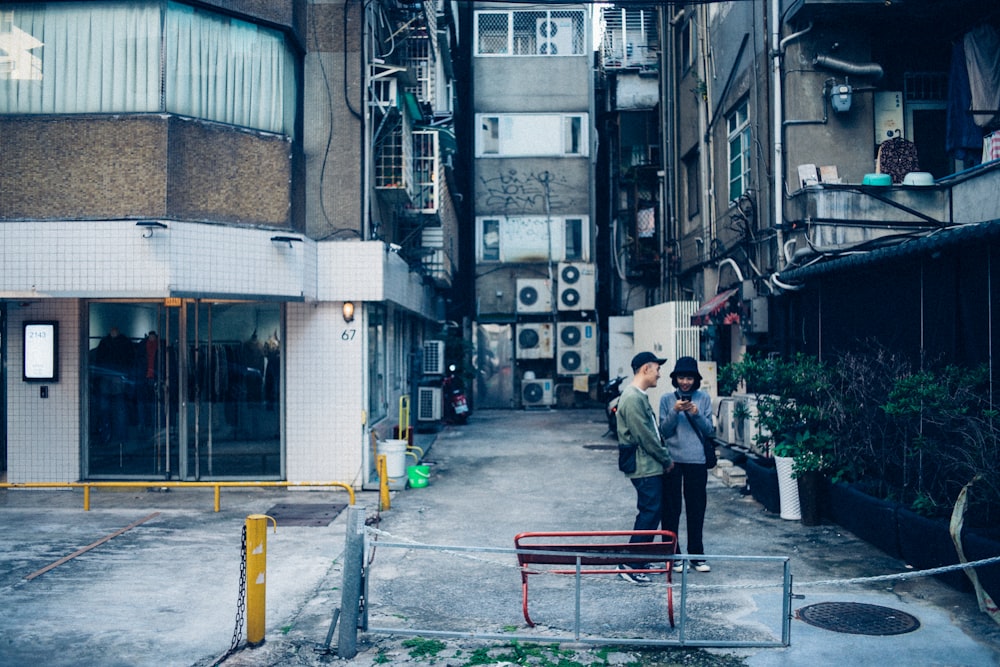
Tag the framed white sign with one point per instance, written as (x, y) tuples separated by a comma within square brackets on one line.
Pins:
[(41, 350)]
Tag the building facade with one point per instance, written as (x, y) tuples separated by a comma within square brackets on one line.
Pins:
[(826, 171), (224, 229), (533, 140)]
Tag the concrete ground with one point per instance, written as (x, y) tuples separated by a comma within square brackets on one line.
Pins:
[(165, 591)]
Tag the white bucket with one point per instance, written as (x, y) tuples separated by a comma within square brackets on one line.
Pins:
[(395, 457), (788, 489)]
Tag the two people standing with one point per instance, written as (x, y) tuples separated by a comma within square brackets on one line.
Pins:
[(670, 460)]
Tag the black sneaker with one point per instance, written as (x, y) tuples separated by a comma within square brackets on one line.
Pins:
[(626, 573)]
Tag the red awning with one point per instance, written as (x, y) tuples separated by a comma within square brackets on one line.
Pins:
[(712, 307)]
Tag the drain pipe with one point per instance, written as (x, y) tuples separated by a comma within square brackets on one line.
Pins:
[(778, 114)]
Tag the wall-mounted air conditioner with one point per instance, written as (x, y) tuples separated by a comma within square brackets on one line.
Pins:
[(576, 286), (534, 295), (536, 392), (433, 362), (428, 404), (576, 348), (725, 421), (534, 340), (554, 36)]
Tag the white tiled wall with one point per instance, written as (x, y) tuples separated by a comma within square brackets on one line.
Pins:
[(43, 434), (118, 259), (325, 400)]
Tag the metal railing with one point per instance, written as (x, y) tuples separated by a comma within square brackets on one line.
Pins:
[(217, 486)]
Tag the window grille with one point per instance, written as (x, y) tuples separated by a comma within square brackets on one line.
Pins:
[(531, 33), (425, 171)]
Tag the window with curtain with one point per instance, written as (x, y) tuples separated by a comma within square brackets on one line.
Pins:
[(106, 57)]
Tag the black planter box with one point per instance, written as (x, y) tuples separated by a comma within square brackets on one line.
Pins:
[(762, 477), (980, 547), (871, 519), (926, 543)]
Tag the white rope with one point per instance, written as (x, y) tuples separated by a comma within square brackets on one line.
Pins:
[(902, 576)]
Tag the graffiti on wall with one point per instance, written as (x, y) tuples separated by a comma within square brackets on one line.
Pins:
[(514, 192)]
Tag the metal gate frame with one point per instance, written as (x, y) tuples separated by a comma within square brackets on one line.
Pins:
[(577, 637)]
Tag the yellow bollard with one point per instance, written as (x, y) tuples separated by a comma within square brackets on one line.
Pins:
[(256, 550), (383, 484)]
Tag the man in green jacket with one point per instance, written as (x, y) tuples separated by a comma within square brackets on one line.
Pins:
[(637, 425)]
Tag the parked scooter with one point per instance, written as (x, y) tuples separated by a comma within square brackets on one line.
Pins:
[(610, 394), (456, 406)]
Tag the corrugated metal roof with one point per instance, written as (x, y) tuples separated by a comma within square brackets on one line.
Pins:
[(947, 237)]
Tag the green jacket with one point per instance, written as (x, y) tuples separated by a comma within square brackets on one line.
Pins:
[(637, 426)]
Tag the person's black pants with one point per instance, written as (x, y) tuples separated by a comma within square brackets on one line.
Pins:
[(687, 481), (649, 506)]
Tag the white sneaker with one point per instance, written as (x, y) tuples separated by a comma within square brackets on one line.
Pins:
[(701, 566), (678, 566)]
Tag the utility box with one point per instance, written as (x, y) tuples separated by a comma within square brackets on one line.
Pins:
[(888, 116)]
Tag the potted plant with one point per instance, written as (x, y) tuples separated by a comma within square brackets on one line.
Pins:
[(792, 399), (812, 459)]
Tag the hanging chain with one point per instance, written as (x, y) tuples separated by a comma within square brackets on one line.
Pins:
[(241, 600)]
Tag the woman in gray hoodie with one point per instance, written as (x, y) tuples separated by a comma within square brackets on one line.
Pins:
[(684, 414)]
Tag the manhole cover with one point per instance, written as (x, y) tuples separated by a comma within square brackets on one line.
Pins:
[(857, 618), (600, 446), (305, 514)]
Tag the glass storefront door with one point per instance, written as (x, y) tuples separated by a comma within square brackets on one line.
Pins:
[(189, 392)]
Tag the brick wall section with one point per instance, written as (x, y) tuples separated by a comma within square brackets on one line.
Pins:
[(223, 175), (61, 167), (143, 166)]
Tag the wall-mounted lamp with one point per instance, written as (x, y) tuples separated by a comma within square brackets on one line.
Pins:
[(149, 226), (348, 311)]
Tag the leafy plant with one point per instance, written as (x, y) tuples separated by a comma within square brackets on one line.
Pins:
[(793, 400)]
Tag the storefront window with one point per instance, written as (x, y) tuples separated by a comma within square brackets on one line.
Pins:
[(224, 359)]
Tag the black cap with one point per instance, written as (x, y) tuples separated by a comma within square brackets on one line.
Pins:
[(643, 358)]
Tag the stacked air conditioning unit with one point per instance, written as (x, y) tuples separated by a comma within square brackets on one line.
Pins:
[(725, 422), (534, 295), (428, 404), (747, 433), (576, 286), (554, 36), (535, 392), (534, 340), (576, 348), (433, 361)]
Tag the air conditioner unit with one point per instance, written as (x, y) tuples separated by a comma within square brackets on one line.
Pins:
[(576, 348), (536, 392), (428, 404), (534, 295), (576, 286), (554, 36), (747, 433), (433, 363), (534, 340), (725, 422)]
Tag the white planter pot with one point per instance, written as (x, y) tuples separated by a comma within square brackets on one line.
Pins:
[(788, 489)]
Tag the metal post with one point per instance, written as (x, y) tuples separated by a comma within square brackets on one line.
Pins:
[(350, 599), (383, 484), (256, 550)]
